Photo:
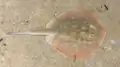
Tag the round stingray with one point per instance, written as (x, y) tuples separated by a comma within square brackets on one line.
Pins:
[(78, 34)]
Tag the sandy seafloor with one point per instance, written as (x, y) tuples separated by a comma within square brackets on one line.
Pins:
[(33, 51)]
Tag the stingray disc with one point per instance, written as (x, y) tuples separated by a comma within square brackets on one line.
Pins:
[(78, 34)]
